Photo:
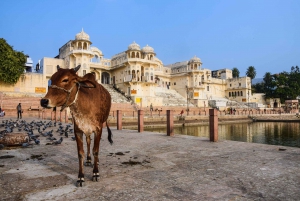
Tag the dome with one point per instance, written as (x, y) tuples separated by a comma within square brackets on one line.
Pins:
[(82, 36), (134, 46), (195, 59), (148, 49)]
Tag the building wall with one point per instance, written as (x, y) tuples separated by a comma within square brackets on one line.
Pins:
[(29, 84), (139, 73)]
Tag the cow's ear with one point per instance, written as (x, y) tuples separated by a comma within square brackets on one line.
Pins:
[(86, 84), (76, 68)]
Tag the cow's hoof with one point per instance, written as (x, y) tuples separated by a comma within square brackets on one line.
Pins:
[(88, 163), (96, 177), (80, 182)]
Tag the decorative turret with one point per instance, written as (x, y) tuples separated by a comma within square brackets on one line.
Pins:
[(195, 63), (134, 50)]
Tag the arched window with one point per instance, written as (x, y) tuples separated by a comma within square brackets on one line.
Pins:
[(241, 93), (96, 59), (132, 55), (229, 94), (238, 93)]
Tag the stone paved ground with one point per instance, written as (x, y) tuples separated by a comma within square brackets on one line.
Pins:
[(153, 167)]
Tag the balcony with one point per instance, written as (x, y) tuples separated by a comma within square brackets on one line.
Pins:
[(81, 51), (127, 78)]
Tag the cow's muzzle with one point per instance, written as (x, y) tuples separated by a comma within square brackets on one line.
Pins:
[(45, 102)]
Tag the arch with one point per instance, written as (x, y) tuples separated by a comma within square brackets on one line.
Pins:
[(229, 94), (241, 93), (238, 94), (151, 57), (85, 45), (138, 75), (105, 78), (275, 104), (132, 55), (96, 59), (137, 55), (133, 74), (80, 46)]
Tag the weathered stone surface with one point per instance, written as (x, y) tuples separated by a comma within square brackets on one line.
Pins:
[(153, 166)]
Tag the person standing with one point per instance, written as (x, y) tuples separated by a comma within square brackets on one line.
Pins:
[(151, 107), (19, 110)]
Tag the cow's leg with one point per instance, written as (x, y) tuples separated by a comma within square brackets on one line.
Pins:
[(79, 141), (97, 137), (88, 161)]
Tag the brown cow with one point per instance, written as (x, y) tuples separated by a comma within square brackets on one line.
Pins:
[(89, 103)]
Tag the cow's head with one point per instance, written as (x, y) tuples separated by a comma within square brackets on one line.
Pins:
[(63, 88)]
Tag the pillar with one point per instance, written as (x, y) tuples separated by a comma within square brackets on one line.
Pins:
[(170, 123), (140, 121), (213, 125), (119, 120)]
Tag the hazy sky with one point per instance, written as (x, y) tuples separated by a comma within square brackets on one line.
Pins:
[(223, 33)]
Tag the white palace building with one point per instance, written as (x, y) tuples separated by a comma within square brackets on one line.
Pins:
[(139, 74)]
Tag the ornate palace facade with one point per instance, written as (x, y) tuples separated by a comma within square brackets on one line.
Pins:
[(140, 74)]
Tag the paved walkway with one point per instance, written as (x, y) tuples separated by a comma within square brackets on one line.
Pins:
[(153, 166)]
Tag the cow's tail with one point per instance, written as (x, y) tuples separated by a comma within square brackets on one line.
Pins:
[(109, 134)]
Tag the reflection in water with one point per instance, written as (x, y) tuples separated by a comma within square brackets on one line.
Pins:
[(275, 133)]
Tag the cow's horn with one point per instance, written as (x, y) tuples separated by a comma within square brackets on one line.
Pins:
[(77, 68), (57, 67)]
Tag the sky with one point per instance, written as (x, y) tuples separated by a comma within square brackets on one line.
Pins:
[(222, 33)]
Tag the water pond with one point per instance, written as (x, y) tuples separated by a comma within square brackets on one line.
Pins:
[(274, 133)]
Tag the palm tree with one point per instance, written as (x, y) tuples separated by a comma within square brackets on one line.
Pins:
[(235, 72), (251, 72)]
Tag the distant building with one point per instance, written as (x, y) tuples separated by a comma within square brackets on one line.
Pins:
[(28, 64), (140, 74)]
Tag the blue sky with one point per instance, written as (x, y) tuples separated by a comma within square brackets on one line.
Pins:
[(223, 33)]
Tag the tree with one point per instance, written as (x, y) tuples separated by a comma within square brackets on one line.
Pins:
[(269, 85), (251, 72), (11, 63), (258, 88), (294, 82), (235, 72)]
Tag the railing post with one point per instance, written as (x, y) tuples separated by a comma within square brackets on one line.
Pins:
[(170, 123), (213, 125), (119, 120), (140, 121)]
